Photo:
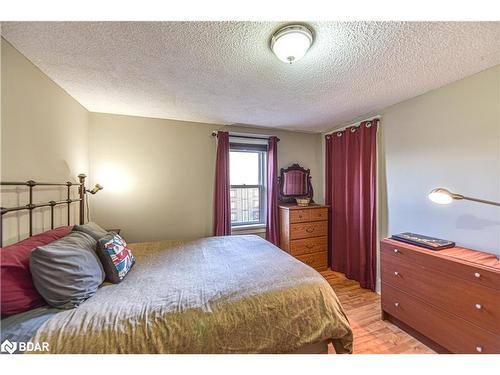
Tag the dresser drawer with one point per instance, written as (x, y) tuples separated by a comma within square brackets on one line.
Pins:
[(449, 331), (317, 261), (431, 259), (308, 245), (300, 216), (477, 304), (319, 214), (307, 230)]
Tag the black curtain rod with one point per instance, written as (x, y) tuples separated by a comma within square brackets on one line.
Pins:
[(214, 134)]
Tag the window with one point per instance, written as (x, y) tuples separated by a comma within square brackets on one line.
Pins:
[(247, 163)]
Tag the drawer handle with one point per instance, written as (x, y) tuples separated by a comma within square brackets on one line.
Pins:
[(396, 251), (396, 304), (310, 230), (478, 306), (396, 273), (477, 275), (309, 246), (479, 349), (300, 216)]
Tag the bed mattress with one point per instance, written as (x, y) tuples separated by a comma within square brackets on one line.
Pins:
[(234, 294)]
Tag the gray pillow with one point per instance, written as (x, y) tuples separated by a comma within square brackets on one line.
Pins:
[(91, 229), (66, 272)]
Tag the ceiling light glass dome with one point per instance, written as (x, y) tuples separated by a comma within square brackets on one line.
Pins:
[(291, 43)]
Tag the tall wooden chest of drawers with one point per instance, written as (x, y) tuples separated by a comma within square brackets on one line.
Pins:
[(449, 299), (304, 233)]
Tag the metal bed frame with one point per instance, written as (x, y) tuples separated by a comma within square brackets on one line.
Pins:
[(31, 206)]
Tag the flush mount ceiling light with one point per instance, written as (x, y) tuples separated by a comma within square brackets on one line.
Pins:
[(291, 43)]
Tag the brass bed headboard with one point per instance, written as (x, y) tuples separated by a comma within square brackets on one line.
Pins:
[(31, 206)]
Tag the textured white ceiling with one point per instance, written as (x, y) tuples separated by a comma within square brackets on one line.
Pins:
[(224, 72)]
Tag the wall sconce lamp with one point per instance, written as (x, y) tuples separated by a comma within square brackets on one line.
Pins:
[(444, 196), (96, 188)]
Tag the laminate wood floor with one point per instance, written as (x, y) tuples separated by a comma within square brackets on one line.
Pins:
[(372, 335)]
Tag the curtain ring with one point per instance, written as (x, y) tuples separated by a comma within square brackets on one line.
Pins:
[(353, 129), (368, 124), (339, 134)]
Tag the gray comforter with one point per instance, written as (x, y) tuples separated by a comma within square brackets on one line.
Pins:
[(236, 294)]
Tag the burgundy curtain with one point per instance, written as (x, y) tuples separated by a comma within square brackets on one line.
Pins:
[(222, 201), (351, 195), (272, 231)]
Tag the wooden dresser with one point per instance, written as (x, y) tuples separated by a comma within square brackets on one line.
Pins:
[(304, 233), (448, 299)]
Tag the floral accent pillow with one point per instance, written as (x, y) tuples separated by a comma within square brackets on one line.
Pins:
[(115, 256)]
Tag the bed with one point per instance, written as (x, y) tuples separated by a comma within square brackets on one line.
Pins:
[(233, 294)]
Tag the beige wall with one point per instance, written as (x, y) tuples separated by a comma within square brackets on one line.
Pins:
[(44, 136), (449, 137), (296, 147), (165, 167), (158, 175)]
